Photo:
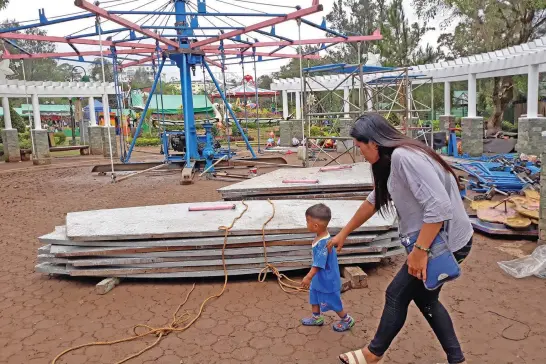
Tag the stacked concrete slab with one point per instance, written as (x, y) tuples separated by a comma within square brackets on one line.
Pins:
[(170, 241), (352, 181)]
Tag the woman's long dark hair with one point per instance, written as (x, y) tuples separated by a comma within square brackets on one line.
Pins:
[(375, 128)]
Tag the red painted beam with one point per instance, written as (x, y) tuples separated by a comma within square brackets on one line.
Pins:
[(136, 63), (47, 38), (214, 63), (264, 54), (123, 22), (364, 38), (74, 54), (315, 8)]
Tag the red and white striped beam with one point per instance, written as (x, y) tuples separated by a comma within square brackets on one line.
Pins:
[(123, 22), (74, 54), (264, 54), (315, 8), (47, 38), (353, 39)]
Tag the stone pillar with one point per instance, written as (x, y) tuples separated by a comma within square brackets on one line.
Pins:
[(472, 135), (106, 110), (298, 105), (95, 140), (10, 140), (530, 135), (40, 150), (447, 122), (288, 130), (285, 104), (345, 126), (542, 211), (10, 137), (106, 145)]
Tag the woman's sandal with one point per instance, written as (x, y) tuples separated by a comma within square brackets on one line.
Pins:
[(355, 357)]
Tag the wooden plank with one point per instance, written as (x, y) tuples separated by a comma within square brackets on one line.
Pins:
[(175, 221), (106, 285)]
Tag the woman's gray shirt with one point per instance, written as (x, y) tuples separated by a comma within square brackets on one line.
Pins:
[(418, 187)]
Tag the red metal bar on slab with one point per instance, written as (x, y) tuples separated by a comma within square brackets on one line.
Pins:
[(334, 168), (212, 208), (124, 22), (75, 54), (264, 54), (136, 63), (315, 8), (365, 38), (301, 181), (48, 38)]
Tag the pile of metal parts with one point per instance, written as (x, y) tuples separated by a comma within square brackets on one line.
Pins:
[(504, 174), (340, 182), (187, 240)]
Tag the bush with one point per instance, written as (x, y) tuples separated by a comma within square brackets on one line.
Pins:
[(508, 126), (316, 131), (146, 142), (60, 138), (25, 144)]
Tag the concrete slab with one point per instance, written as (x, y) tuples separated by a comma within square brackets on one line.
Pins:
[(359, 177), (175, 221)]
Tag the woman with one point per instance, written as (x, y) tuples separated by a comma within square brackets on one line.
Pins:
[(424, 190)]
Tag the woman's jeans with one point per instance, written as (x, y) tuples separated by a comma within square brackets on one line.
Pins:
[(405, 288)]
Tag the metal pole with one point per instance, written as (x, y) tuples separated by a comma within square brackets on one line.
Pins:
[(257, 102), (302, 97), (223, 96), (432, 112), (361, 79), (72, 122), (225, 114)]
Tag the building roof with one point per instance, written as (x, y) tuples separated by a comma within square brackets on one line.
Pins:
[(47, 109)]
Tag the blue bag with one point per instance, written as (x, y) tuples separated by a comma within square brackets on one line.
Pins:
[(442, 266)]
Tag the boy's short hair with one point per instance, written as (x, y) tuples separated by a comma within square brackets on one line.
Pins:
[(320, 212)]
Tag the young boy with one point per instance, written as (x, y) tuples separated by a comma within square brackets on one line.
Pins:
[(323, 279)]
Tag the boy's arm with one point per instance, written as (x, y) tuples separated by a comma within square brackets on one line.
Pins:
[(306, 282)]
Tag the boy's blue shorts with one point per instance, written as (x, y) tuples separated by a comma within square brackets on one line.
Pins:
[(326, 301)]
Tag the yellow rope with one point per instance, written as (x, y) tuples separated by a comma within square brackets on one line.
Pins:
[(287, 285), (176, 323)]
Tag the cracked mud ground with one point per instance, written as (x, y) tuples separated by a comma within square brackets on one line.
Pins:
[(252, 322)]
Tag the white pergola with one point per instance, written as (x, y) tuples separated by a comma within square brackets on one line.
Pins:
[(528, 58), (37, 89)]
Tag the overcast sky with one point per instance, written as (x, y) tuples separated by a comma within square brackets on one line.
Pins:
[(23, 10)]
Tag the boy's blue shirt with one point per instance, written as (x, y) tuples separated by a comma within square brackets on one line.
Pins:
[(327, 279)]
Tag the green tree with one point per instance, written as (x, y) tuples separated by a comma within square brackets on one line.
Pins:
[(265, 82), (3, 4), (96, 70), (485, 26), (17, 121)]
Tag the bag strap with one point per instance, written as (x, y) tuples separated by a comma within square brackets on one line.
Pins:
[(447, 186)]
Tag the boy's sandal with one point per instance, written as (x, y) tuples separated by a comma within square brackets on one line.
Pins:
[(355, 357), (312, 321), (343, 325)]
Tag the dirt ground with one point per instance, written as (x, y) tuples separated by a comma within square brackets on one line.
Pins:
[(252, 322)]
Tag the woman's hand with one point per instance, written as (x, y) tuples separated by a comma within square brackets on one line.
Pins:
[(336, 241), (417, 264)]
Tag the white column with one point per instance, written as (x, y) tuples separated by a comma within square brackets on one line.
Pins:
[(285, 104), (7, 114), (106, 110), (472, 99), (92, 116), (298, 105), (532, 91), (346, 105), (36, 112), (370, 98), (447, 98)]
